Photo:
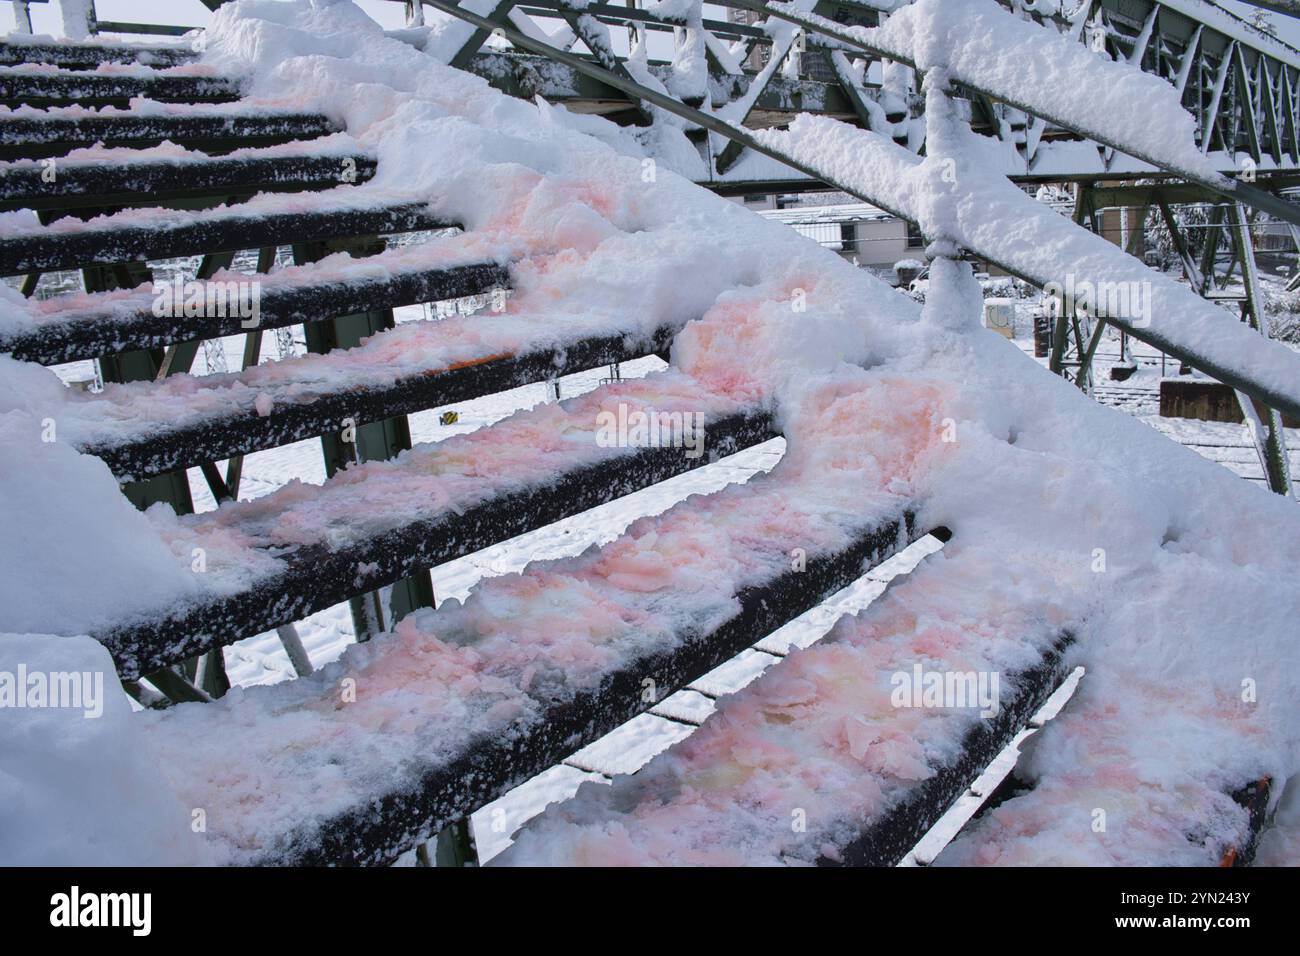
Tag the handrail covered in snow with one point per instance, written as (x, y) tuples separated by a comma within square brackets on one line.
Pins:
[(1030, 97)]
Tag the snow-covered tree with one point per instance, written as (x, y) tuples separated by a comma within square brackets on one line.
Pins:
[(1192, 220)]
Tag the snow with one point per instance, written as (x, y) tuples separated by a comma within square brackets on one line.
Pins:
[(81, 556), (1155, 737), (1037, 69), (60, 770), (75, 16), (783, 37), (519, 641), (982, 202), (816, 736), (1196, 593), (448, 34), (261, 659)]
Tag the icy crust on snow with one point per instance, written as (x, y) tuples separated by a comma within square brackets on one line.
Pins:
[(971, 205), (60, 768), (1047, 73), (1187, 607), (266, 761)]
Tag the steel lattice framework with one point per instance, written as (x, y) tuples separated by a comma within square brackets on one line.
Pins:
[(1240, 83)]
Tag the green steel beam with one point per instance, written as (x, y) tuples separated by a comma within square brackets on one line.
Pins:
[(1210, 118), (780, 52), (1174, 192), (455, 846), (1247, 107), (1180, 244), (527, 76), (461, 59), (1272, 443), (143, 29), (1268, 106), (177, 688), (1210, 251), (585, 28), (851, 87), (636, 91), (612, 15), (374, 441), (1087, 353)]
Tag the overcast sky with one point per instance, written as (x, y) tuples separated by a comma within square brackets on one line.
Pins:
[(387, 12)]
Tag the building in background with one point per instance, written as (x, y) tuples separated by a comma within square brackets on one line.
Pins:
[(859, 232)]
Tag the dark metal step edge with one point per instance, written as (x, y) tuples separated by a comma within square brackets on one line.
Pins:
[(27, 137), (95, 334), (116, 183), (49, 251), (165, 451), (41, 89), (74, 56)]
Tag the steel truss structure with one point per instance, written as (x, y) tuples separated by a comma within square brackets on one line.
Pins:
[(1240, 84)]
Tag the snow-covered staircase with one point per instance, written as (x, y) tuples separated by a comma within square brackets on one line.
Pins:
[(451, 708)]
